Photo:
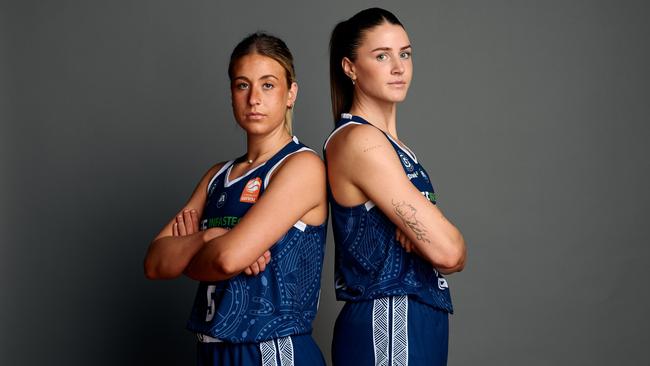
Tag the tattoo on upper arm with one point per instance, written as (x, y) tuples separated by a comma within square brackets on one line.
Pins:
[(366, 149), (407, 213)]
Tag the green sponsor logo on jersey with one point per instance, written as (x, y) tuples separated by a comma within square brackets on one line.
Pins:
[(431, 196), (223, 221)]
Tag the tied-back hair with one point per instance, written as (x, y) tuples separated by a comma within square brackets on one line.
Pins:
[(264, 44), (346, 39)]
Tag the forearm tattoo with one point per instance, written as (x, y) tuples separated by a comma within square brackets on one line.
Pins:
[(407, 213)]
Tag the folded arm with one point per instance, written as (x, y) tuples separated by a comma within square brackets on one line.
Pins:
[(174, 247), (366, 159), (296, 189)]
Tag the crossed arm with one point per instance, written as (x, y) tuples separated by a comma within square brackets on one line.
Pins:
[(297, 190), (361, 156), (173, 248), (188, 224)]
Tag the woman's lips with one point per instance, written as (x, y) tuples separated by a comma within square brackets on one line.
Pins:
[(255, 115)]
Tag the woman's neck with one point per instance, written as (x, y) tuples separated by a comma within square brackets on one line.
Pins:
[(381, 114), (261, 147)]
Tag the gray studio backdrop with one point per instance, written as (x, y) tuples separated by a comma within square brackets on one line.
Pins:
[(532, 117)]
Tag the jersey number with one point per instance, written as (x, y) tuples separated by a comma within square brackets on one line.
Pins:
[(210, 314)]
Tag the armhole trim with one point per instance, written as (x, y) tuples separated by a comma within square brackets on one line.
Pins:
[(300, 225), (267, 178), (404, 148), (369, 205), (338, 129)]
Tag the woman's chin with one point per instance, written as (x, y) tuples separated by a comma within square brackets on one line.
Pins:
[(256, 129)]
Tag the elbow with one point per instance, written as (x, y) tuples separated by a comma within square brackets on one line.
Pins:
[(155, 266), (226, 266), (451, 264), (160, 271), (212, 264), (453, 260), (151, 274), (150, 271)]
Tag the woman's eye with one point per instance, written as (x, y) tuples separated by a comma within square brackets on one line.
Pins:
[(267, 86), (405, 55), (382, 57), (242, 86)]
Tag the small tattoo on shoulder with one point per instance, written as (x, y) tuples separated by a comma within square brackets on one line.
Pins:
[(371, 148), (406, 213)]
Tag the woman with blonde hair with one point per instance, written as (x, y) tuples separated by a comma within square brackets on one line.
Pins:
[(253, 231)]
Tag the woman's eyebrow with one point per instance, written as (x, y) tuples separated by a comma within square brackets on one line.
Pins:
[(261, 77), (388, 48), (269, 76)]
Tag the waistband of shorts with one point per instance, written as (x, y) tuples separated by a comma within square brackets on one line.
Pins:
[(207, 339), (203, 338)]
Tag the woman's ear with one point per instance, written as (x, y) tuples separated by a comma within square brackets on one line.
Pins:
[(293, 94), (348, 68)]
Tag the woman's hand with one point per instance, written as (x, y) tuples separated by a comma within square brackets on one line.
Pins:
[(404, 240), (187, 223), (259, 265), (171, 251)]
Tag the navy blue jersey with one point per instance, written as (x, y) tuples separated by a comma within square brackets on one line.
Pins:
[(370, 263), (282, 300)]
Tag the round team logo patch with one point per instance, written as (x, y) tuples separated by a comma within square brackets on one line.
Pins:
[(405, 161), (442, 283)]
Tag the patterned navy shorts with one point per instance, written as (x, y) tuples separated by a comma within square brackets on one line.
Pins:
[(390, 331), (300, 350)]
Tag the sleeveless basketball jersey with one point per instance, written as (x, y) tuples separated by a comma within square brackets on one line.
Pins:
[(278, 302), (370, 263)]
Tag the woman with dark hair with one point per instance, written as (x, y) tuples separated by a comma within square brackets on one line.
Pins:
[(253, 231), (392, 242)]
